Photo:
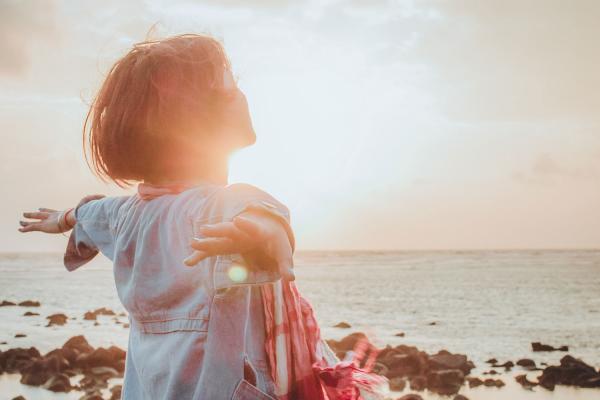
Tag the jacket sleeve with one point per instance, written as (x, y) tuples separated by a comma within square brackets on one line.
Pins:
[(233, 270), (93, 232)]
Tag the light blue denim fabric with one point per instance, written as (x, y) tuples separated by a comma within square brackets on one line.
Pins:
[(195, 332)]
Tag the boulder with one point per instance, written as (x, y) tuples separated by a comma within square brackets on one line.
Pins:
[(56, 319), (20, 335), (460, 397), (445, 382), (526, 363), (6, 303), (29, 303), (493, 383), (58, 383), (537, 346), (524, 382), (343, 325), (474, 382), (400, 334), (397, 384), (30, 314), (571, 371), (89, 316), (418, 383), (115, 392), (445, 360), (492, 361), (15, 360)]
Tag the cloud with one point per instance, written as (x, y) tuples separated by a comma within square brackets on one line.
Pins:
[(547, 169), (23, 25), (514, 60)]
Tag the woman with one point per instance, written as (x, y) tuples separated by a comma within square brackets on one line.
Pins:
[(168, 116)]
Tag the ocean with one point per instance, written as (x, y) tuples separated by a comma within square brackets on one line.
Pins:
[(480, 303)]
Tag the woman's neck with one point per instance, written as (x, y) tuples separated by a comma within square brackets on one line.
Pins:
[(200, 170)]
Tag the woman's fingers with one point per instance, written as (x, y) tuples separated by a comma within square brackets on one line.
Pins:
[(215, 246), (36, 215), (223, 229), (28, 226), (195, 258), (249, 227)]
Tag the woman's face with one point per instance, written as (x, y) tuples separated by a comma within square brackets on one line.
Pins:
[(237, 129)]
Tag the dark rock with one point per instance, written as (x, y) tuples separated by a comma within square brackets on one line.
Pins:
[(524, 382), (58, 383), (115, 392), (445, 382), (432, 323), (15, 360), (445, 360), (112, 357), (493, 383), (411, 396), (380, 369), (404, 365), (78, 343), (56, 319), (20, 335), (526, 363), (104, 311), (491, 372), (460, 397), (507, 365), (474, 382), (571, 371), (19, 398), (400, 334), (125, 326), (29, 303), (122, 314), (397, 384), (30, 314), (418, 383), (3, 342), (91, 383), (537, 346), (89, 316), (6, 303), (96, 323), (343, 325), (492, 361), (41, 370)]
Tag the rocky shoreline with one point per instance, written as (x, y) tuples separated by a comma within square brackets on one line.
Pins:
[(443, 373)]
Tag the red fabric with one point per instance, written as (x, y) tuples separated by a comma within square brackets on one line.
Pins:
[(309, 373)]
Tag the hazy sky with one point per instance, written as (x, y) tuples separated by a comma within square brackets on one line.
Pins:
[(381, 124)]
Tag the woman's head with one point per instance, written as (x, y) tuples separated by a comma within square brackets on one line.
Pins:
[(163, 106)]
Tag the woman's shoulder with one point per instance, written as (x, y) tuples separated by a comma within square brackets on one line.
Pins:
[(234, 198)]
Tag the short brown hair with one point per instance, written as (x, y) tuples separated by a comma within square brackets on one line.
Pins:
[(157, 88)]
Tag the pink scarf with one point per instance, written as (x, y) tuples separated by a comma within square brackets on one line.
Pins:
[(302, 365)]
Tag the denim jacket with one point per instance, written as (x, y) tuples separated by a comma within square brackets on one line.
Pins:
[(196, 332)]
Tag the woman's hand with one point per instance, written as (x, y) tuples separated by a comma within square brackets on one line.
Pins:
[(44, 220), (255, 236), (48, 220)]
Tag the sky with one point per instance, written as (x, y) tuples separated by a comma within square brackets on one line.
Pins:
[(381, 124)]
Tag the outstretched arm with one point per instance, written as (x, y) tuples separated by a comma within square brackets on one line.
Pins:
[(258, 237), (48, 220)]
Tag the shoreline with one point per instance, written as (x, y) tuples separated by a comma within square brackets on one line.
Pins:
[(78, 368)]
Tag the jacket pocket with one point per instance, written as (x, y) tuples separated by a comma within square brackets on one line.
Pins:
[(246, 391)]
